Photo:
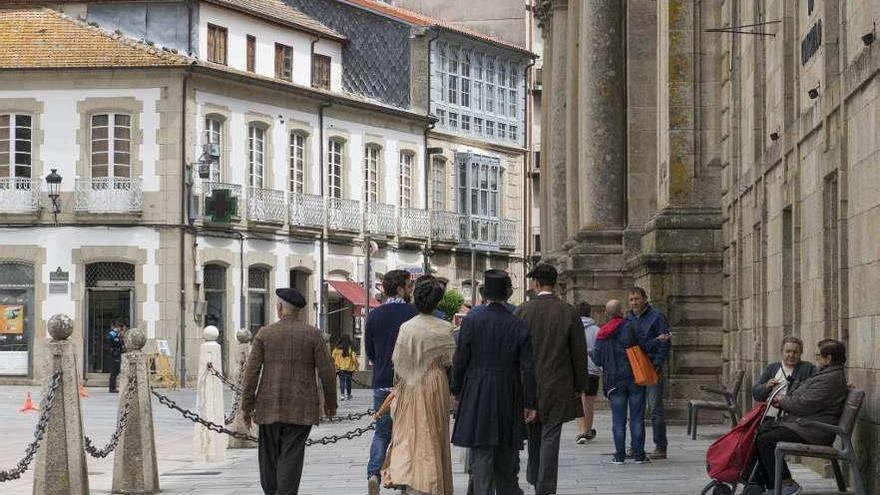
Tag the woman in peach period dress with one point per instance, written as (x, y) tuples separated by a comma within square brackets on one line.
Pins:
[(419, 460)]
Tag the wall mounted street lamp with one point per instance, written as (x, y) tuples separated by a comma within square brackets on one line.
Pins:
[(53, 181)]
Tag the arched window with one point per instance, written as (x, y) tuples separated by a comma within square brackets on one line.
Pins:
[(258, 298), (372, 153), (297, 162), (406, 165), (335, 151), (256, 154)]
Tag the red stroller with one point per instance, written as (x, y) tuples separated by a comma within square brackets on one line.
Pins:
[(730, 460)]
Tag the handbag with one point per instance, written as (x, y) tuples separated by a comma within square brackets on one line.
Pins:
[(643, 370)]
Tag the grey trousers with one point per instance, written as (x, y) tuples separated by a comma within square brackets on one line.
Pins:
[(495, 470), (543, 468), (281, 453)]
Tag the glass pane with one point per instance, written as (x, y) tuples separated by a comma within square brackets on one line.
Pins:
[(4, 120), (121, 145), (99, 158), (99, 171), (23, 172), (99, 145), (4, 133), (122, 120), (99, 133), (4, 160), (23, 133), (23, 146), (121, 158), (23, 158), (122, 132), (121, 171), (100, 120)]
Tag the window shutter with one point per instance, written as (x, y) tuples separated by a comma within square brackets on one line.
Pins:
[(279, 61), (251, 53), (321, 71)]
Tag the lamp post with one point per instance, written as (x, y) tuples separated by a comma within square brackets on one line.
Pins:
[(53, 181)]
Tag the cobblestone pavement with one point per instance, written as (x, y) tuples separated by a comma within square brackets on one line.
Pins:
[(339, 469)]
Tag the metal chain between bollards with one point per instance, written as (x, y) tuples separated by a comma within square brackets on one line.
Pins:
[(39, 432), (236, 401), (120, 425), (360, 383), (195, 418), (235, 388), (350, 417)]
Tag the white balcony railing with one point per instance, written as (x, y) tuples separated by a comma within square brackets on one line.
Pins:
[(266, 205), (108, 195), (507, 235), (446, 226), (379, 219), (344, 215), (235, 192), (413, 223), (306, 210), (19, 195)]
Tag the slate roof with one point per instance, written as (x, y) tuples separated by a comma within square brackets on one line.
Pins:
[(34, 38), (279, 12), (418, 19)]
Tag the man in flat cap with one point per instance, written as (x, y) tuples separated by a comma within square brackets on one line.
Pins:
[(560, 352), (494, 380), (284, 358)]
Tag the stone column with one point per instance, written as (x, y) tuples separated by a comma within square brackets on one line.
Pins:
[(555, 118), (61, 460), (209, 446), (241, 354), (572, 118), (134, 462), (601, 104)]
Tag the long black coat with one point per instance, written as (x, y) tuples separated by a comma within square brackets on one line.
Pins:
[(493, 378), (560, 349)]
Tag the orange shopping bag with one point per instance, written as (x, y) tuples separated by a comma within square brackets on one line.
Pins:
[(643, 370)]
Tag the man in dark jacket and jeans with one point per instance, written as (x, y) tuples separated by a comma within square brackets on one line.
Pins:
[(380, 335), (651, 324)]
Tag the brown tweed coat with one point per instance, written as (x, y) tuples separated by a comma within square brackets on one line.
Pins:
[(279, 381)]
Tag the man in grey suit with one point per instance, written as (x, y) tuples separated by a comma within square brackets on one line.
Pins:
[(284, 358)]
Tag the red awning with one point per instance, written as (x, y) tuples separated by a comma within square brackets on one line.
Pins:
[(352, 291)]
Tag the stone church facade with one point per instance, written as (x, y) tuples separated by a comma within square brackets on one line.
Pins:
[(723, 155)]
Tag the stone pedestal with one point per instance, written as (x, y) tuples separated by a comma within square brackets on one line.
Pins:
[(209, 446), (238, 426), (61, 460), (134, 462)]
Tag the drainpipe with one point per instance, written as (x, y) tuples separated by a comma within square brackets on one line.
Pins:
[(427, 171), (322, 313), (527, 188), (184, 222), (312, 56), (242, 315)]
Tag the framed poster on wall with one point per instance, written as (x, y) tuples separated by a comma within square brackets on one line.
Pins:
[(12, 318)]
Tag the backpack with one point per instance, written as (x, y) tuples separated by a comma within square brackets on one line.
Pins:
[(731, 454)]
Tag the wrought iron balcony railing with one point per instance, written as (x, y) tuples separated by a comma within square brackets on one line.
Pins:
[(108, 195), (344, 215), (266, 205), (19, 195), (413, 223), (379, 219), (446, 226), (306, 210)]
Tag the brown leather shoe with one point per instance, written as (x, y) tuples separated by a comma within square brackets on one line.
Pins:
[(657, 455)]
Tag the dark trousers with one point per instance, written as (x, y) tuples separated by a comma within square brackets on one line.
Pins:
[(282, 450), (768, 436), (115, 364), (494, 470), (543, 467), (656, 410), (344, 383)]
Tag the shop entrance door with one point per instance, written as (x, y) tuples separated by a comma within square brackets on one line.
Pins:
[(105, 307)]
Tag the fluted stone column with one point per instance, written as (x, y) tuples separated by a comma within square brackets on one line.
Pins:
[(135, 470), (61, 467), (555, 119), (572, 117)]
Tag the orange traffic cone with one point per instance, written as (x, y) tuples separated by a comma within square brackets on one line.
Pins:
[(28, 404), (82, 390)]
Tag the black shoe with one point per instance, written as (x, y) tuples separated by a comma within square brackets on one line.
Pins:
[(581, 439)]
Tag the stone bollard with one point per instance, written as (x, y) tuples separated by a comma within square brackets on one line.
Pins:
[(134, 462), (209, 446), (61, 459), (238, 426)]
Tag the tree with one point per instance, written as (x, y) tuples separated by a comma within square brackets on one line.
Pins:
[(451, 303)]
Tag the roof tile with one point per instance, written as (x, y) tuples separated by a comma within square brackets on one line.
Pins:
[(278, 11)]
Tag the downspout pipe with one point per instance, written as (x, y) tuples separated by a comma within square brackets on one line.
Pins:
[(322, 312), (527, 184), (427, 168), (184, 221), (312, 55)]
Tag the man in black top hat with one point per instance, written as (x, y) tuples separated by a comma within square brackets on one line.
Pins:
[(284, 359), (494, 381)]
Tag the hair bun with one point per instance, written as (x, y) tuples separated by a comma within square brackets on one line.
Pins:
[(427, 295)]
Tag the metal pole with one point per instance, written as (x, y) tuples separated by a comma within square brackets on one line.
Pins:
[(473, 277), (367, 279)]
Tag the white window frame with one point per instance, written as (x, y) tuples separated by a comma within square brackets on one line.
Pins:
[(438, 183), (112, 149), (372, 160), (214, 135), (335, 170), (11, 145), (297, 162), (479, 190), (256, 155), (407, 159)]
